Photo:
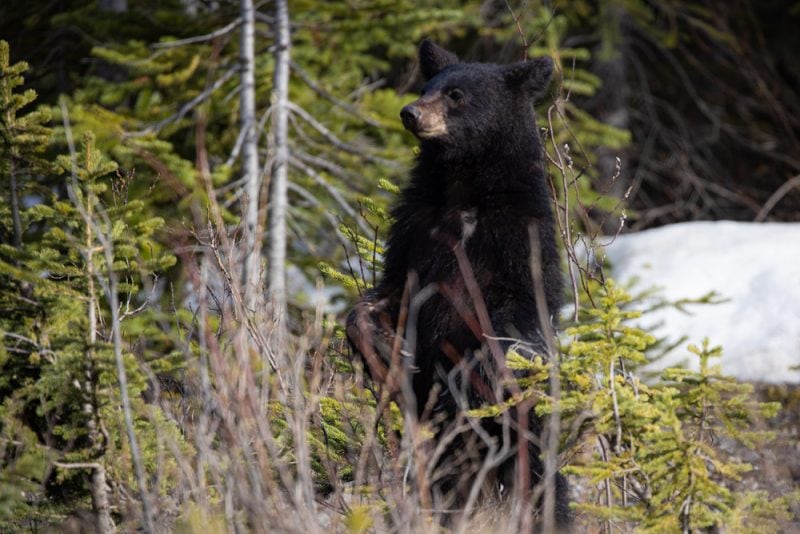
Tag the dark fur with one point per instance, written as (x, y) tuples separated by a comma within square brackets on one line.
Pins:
[(487, 169)]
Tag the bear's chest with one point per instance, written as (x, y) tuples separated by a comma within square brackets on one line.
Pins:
[(455, 227), (478, 244)]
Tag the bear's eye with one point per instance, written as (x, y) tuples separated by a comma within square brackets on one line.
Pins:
[(455, 94)]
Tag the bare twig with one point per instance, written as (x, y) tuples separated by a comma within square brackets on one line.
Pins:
[(334, 140), (550, 451), (566, 225), (200, 38), (77, 465), (776, 197), (332, 191), (317, 88), (519, 31), (185, 108)]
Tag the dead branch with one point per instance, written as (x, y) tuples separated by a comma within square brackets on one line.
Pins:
[(200, 38), (776, 197)]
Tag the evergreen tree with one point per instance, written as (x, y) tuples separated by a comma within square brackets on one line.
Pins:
[(656, 460), (23, 140), (60, 387)]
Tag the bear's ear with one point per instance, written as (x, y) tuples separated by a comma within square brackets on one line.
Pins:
[(433, 59), (532, 76)]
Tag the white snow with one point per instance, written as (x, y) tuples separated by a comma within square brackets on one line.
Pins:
[(756, 267)]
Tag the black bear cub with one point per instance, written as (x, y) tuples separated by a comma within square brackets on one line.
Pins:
[(458, 285)]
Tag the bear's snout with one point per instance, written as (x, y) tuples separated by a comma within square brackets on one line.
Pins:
[(410, 115), (425, 117)]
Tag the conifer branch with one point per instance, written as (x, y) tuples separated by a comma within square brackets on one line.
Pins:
[(185, 108), (335, 141), (314, 201), (349, 108), (329, 167), (332, 191)]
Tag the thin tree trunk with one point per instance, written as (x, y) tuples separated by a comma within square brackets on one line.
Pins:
[(26, 288), (278, 197), (250, 166), (99, 486), (613, 101), (100, 502), (15, 217)]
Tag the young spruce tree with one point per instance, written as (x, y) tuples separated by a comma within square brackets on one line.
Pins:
[(64, 261)]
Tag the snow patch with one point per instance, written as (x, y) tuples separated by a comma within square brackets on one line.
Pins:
[(755, 267)]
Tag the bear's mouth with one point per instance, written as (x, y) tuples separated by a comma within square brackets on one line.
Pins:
[(432, 131), (427, 126)]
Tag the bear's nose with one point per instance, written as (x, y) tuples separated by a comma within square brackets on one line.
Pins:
[(410, 115)]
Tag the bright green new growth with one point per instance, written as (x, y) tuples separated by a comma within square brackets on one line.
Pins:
[(656, 462), (656, 459)]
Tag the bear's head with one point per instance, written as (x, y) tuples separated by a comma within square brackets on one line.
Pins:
[(474, 105)]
